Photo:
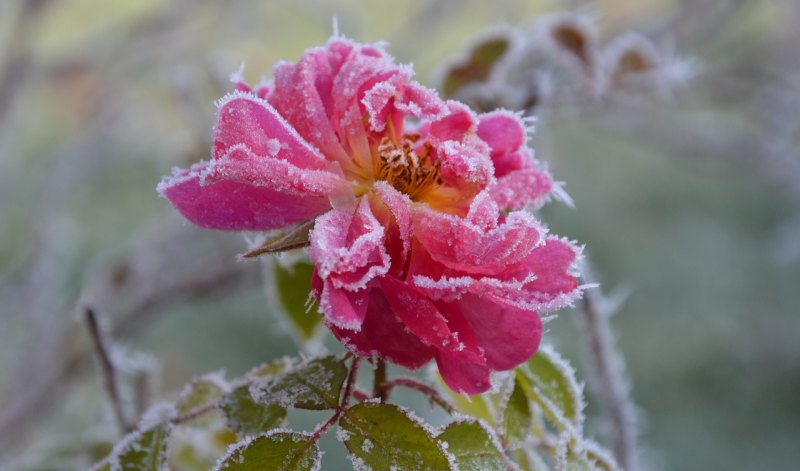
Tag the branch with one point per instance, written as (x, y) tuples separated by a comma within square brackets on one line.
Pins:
[(609, 371), (433, 396), (108, 369)]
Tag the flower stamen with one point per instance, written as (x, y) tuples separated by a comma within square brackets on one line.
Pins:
[(409, 171)]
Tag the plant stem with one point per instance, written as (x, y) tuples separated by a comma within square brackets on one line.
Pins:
[(194, 413), (379, 389), (608, 368), (108, 369), (349, 387), (433, 396)]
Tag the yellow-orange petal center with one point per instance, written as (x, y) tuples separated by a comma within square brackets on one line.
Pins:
[(406, 166)]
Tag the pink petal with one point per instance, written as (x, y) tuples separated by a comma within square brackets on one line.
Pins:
[(241, 191), (461, 376), (422, 318), (508, 335), (245, 119), (389, 336), (457, 121), (242, 165), (302, 95), (554, 286), (505, 133), (521, 188), (347, 246), (395, 218), (466, 162), (461, 245), (342, 308)]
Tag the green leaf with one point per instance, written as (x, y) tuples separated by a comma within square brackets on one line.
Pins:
[(270, 369), (294, 238), (578, 462), (245, 416), (275, 451), (385, 437), (600, 457), (474, 446), (550, 382), (478, 406), (314, 384), (142, 451), (478, 66), (199, 393), (517, 417), (292, 286), (528, 460)]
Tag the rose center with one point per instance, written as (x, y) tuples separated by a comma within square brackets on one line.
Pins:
[(407, 166)]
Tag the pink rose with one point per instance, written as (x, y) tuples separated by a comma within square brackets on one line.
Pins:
[(421, 244)]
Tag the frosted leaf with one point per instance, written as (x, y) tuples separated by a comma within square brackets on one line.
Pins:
[(271, 368), (549, 380), (279, 450), (383, 436), (201, 392), (141, 450), (517, 419), (314, 384), (601, 458), (290, 284), (474, 446), (293, 238), (245, 416)]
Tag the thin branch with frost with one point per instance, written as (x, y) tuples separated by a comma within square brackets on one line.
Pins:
[(433, 396), (110, 377), (608, 368)]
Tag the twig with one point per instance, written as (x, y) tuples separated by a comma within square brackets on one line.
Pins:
[(378, 384), (348, 388), (108, 369), (609, 371), (433, 396), (194, 413), (360, 395)]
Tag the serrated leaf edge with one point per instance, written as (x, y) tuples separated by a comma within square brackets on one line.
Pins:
[(247, 441)]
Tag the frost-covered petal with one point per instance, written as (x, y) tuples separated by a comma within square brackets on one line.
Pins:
[(544, 281), (383, 333), (243, 118), (507, 334), (521, 188), (393, 209), (453, 125), (423, 319), (343, 308), (461, 376), (505, 134), (347, 246), (302, 95), (462, 245), (467, 162), (240, 164), (241, 191)]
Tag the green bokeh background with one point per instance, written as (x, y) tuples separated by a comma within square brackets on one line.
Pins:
[(105, 97)]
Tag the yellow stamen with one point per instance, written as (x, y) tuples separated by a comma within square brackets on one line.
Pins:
[(407, 171)]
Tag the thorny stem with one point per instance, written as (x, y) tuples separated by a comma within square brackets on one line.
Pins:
[(379, 389), (433, 396), (109, 371), (609, 371)]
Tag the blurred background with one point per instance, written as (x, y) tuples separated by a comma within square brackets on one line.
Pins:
[(686, 195)]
